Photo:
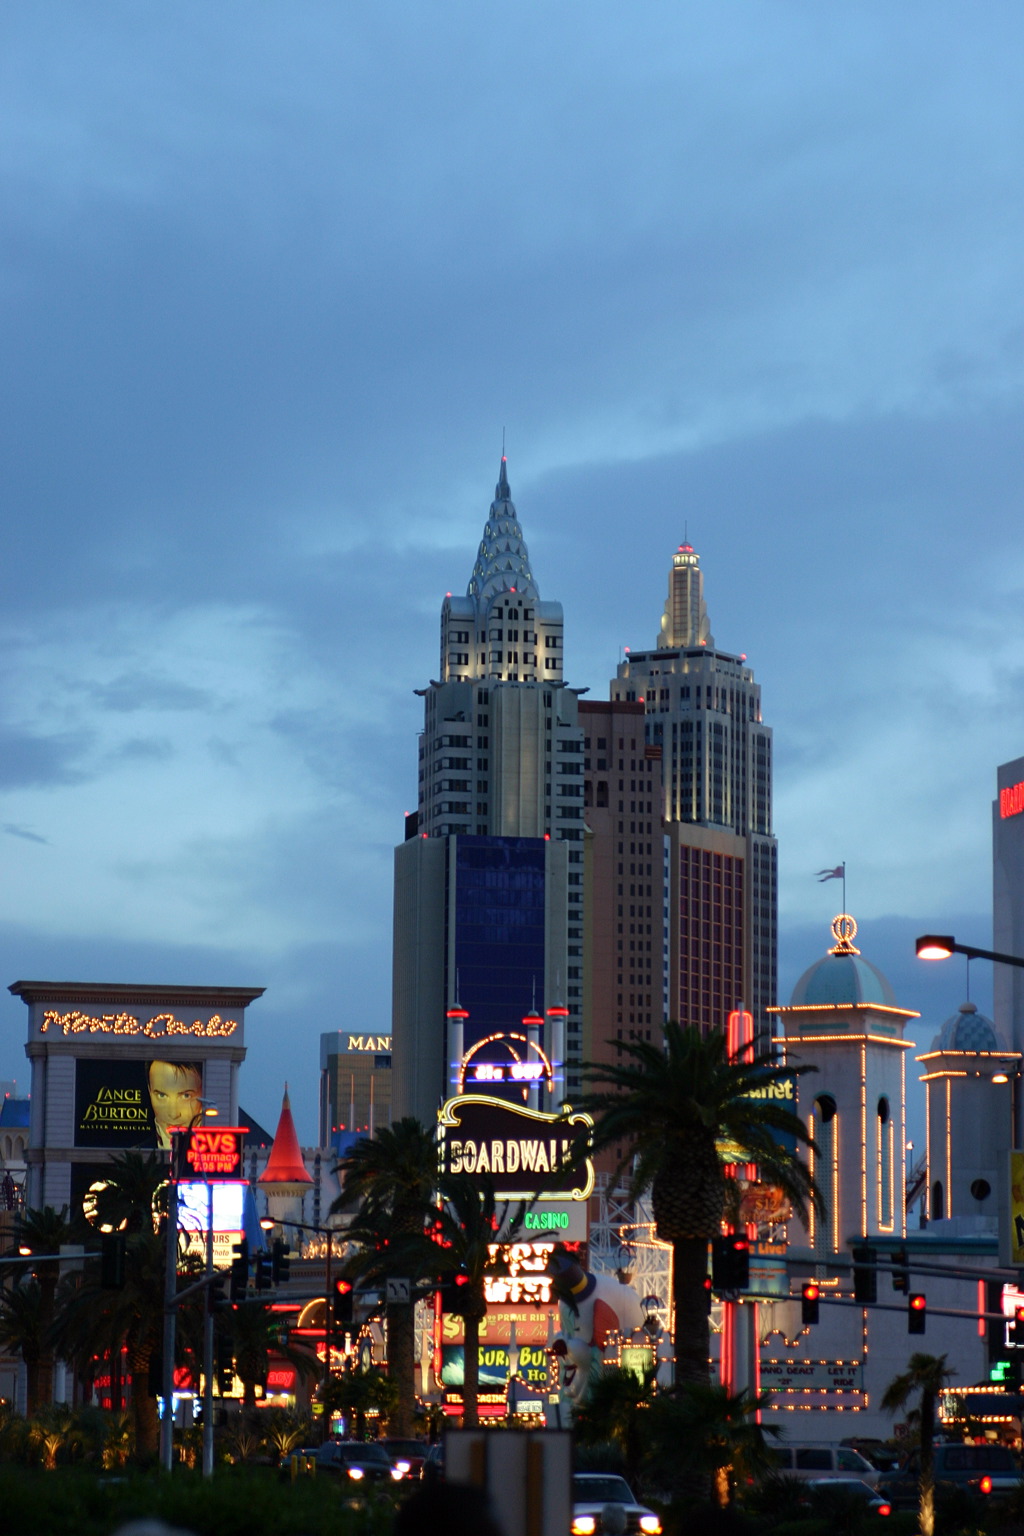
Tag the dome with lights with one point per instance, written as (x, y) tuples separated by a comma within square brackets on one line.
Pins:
[(969, 1030), (843, 975)]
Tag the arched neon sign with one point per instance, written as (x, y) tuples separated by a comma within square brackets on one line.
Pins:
[(529, 1065)]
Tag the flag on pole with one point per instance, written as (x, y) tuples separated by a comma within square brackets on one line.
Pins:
[(839, 873)]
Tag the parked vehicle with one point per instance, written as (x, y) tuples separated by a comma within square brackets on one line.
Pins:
[(602, 1502), (817, 1491), (823, 1461), (991, 1471), (886, 1458), (432, 1470)]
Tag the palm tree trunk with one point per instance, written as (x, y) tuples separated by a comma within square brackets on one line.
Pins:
[(692, 1328), (402, 1364), (926, 1516), (470, 1372), (144, 1414)]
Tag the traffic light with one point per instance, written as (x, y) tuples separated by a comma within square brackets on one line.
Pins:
[(225, 1365), (809, 1313), (112, 1252), (454, 1290), (900, 1272), (730, 1263), (216, 1299), (1015, 1329), (239, 1270), (708, 1292), (917, 1312), (280, 1262), (264, 1271), (343, 1304), (865, 1276)]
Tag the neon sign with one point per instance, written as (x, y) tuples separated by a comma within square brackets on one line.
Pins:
[(215, 1154), (157, 1028), (513, 1071), (1011, 800)]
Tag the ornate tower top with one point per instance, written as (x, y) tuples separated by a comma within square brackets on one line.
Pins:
[(685, 620), (503, 560)]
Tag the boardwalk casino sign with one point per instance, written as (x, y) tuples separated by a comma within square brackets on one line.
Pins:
[(526, 1154)]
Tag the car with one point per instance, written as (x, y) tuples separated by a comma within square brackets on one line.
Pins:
[(818, 1492), (432, 1470), (361, 1461), (602, 1502), (407, 1455), (991, 1471), (881, 1455), (820, 1460)]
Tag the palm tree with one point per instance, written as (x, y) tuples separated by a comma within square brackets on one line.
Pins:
[(713, 1432), (467, 1223), (927, 1375), (391, 1178), (253, 1330), (44, 1231), (618, 1409), (679, 1109), (94, 1321), (22, 1333)]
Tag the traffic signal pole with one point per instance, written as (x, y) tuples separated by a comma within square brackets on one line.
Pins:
[(208, 1343), (170, 1320)]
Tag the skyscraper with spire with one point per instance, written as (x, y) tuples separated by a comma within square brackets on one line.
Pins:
[(703, 710), (489, 880)]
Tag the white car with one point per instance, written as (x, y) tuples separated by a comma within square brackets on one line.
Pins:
[(603, 1505)]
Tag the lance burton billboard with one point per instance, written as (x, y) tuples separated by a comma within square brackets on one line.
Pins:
[(527, 1155), (129, 1102)]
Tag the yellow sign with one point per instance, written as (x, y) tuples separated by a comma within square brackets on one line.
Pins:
[(1017, 1207)]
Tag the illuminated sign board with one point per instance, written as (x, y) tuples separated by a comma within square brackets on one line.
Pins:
[(161, 1026), (511, 1071), (133, 1102), (812, 1375), (374, 1043), (1011, 800), (196, 1197), (526, 1154), (214, 1152)]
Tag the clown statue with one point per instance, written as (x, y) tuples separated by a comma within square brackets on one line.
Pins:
[(591, 1309)]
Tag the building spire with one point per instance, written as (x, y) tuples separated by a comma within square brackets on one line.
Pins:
[(685, 620), (503, 560)]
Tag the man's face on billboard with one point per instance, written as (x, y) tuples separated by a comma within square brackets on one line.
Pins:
[(175, 1089)]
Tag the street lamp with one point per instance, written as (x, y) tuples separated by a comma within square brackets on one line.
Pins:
[(939, 946)]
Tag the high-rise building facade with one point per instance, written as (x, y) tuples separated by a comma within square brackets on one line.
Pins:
[(703, 709), (489, 881)]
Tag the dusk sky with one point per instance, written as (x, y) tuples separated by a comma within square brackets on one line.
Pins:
[(274, 279)]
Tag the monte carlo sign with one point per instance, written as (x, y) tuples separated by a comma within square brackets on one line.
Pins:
[(526, 1154)]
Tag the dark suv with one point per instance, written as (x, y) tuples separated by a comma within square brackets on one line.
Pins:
[(988, 1470)]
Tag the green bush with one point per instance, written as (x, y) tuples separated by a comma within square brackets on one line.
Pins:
[(236, 1502)]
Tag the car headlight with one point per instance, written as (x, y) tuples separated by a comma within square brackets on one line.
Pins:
[(356, 1473), (403, 1467), (651, 1524), (397, 1474), (584, 1525)]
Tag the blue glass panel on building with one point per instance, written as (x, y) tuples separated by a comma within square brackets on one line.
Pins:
[(499, 931)]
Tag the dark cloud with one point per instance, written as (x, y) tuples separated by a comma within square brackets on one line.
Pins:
[(133, 691), (31, 761), (25, 832)]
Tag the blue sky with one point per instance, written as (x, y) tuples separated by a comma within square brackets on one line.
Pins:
[(274, 279)]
